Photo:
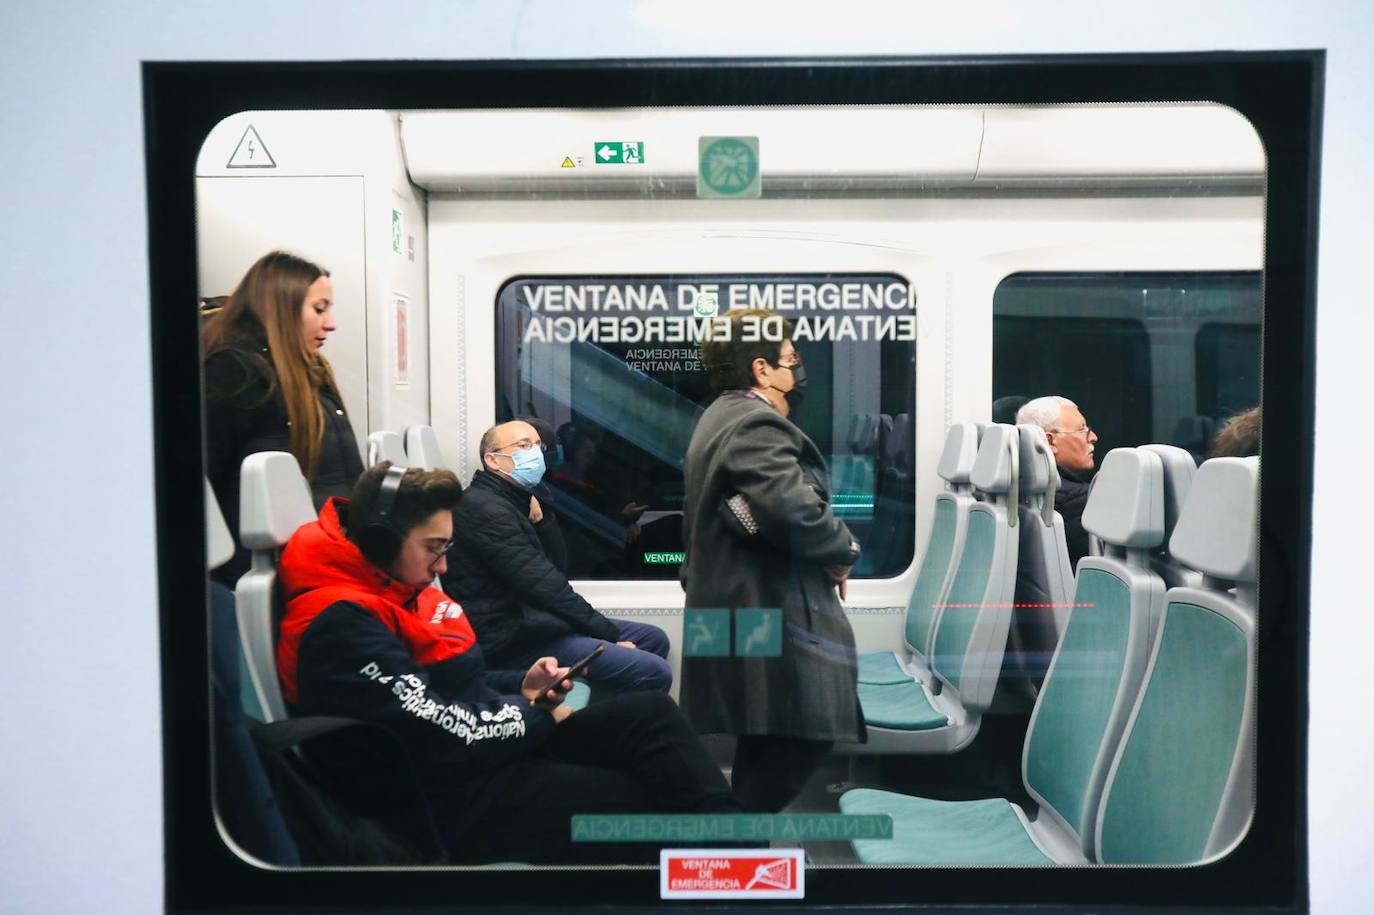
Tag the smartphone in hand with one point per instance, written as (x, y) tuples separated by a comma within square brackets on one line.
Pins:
[(578, 668)]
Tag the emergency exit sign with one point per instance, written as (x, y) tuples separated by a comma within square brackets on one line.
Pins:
[(619, 152)]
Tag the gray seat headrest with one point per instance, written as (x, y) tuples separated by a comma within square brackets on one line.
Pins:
[(1179, 470), (994, 469), (219, 544), (274, 500), (898, 445), (1216, 534), (422, 449), (1038, 469), (1126, 507), (865, 433), (386, 446), (961, 450)]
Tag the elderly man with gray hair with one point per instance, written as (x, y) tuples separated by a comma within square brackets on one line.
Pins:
[(1071, 439)]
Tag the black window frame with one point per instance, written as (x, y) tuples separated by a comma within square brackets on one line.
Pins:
[(1280, 92)]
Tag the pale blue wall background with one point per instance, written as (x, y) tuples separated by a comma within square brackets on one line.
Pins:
[(80, 780)]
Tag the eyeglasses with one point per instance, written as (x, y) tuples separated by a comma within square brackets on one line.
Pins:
[(1085, 431), (796, 361), (437, 548), (523, 444)]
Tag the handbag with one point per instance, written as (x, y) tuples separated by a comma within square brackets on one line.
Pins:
[(738, 517)]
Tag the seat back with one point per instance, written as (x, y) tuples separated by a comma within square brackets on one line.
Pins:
[(386, 446), (1044, 576), (1179, 470), (946, 541), (274, 500), (219, 543), (1181, 789), (422, 449), (971, 631), (1100, 661)]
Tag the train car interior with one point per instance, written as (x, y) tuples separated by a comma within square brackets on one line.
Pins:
[(942, 266)]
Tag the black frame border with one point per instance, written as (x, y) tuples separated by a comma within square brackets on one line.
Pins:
[(1281, 94)]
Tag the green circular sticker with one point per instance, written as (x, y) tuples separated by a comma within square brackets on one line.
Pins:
[(729, 166)]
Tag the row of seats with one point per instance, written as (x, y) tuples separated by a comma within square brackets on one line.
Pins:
[(1139, 747), (419, 447), (930, 698)]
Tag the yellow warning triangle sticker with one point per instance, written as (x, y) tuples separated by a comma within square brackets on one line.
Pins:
[(568, 162)]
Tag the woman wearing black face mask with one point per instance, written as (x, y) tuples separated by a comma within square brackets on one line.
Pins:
[(760, 536)]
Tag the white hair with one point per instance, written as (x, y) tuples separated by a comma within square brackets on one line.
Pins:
[(1044, 411)]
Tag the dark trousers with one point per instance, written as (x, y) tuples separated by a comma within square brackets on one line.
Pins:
[(618, 669), (770, 771), (634, 753)]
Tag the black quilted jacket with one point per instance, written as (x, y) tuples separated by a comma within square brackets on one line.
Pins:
[(500, 569)]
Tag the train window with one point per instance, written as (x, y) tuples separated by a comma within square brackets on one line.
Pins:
[(1227, 368), (1148, 357), (621, 392)]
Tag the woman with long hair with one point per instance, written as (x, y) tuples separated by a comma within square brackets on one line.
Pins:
[(268, 387)]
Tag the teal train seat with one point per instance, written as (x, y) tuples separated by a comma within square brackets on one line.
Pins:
[(578, 696), (1079, 715), (386, 446), (422, 449), (274, 500), (946, 541), (1180, 789), (1044, 575), (942, 712)]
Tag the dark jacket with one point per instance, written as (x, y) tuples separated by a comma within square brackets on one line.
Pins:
[(1070, 500), (356, 644), (742, 445), (245, 414), (500, 568)]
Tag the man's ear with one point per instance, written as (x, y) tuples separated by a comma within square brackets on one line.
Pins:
[(754, 368)]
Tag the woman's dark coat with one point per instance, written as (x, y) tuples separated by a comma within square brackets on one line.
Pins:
[(742, 445), (245, 414)]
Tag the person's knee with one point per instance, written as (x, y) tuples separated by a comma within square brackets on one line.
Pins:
[(654, 640), (647, 637), (658, 675)]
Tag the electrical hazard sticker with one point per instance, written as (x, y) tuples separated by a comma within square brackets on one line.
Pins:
[(764, 873)]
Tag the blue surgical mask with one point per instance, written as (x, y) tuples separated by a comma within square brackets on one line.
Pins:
[(529, 467)]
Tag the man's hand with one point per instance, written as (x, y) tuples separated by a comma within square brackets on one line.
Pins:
[(546, 683), (561, 713), (536, 512), (633, 510), (626, 644), (840, 576)]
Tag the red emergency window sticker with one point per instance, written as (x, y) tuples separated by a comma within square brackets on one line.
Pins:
[(765, 873)]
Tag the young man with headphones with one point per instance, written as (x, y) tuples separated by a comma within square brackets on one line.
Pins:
[(502, 762)]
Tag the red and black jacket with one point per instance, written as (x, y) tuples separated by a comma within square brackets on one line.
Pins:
[(357, 644)]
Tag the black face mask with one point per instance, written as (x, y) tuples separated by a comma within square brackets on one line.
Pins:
[(795, 396)]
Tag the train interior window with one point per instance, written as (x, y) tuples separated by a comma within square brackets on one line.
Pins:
[(622, 406), (549, 274), (1149, 357)]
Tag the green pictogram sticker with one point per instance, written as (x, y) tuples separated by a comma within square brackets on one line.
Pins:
[(618, 152), (728, 167), (706, 633), (758, 632)]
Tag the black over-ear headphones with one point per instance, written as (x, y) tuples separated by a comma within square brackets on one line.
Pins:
[(379, 540)]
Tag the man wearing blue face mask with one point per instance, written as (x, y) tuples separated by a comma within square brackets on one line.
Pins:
[(504, 567)]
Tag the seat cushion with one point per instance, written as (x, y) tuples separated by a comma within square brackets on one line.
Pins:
[(881, 667), (925, 831), (902, 706), (578, 696)]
